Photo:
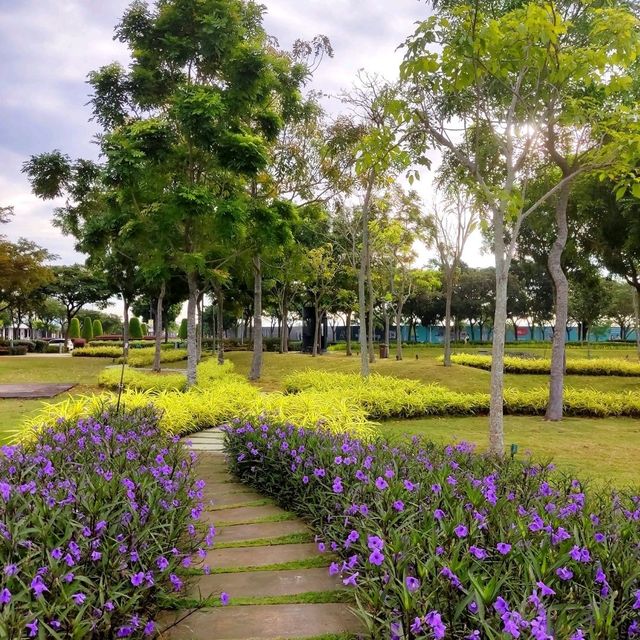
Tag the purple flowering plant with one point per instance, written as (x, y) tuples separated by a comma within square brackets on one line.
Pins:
[(481, 548), (96, 520)]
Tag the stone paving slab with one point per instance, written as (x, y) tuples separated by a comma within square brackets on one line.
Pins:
[(260, 556), (223, 501), (255, 584), (39, 390), (261, 622), (242, 514), (243, 532)]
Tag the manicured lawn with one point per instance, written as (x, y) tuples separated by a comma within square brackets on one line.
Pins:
[(604, 449)]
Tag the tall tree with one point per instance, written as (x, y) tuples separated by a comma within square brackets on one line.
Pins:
[(488, 70)]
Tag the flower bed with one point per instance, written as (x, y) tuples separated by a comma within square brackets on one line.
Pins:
[(440, 542), (575, 366), (99, 518)]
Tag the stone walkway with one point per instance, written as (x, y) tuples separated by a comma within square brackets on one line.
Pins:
[(37, 390), (267, 602)]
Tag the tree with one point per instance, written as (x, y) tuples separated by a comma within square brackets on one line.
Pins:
[(320, 270), (379, 158), (619, 305), (87, 329), (74, 287), (450, 228), (466, 70)]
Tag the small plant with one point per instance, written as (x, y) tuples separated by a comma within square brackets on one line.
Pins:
[(74, 328)]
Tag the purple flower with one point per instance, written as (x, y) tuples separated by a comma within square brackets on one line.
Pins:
[(413, 584), (175, 581), (334, 569), (381, 483), (337, 485), (564, 573), (503, 548), (149, 628), (38, 586), (376, 557), (224, 598), (5, 596), (438, 514), (461, 531), (479, 553), (79, 598), (408, 485), (137, 578), (351, 580), (375, 542), (544, 589), (11, 569), (33, 628), (398, 505), (636, 604)]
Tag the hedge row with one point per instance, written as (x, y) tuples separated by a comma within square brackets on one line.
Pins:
[(575, 366), (388, 397)]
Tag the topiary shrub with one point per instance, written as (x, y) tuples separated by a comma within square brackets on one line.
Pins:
[(78, 343), (145, 329), (41, 346), (74, 328), (87, 329), (182, 332), (135, 330), (97, 328)]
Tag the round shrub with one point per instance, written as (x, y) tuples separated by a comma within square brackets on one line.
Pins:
[(145, 329), (135, 330), (87, 329), (74, 328), (99, 523), (97, 328), (182, 332)]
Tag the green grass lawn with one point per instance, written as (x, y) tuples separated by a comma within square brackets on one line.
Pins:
[(606, 449)]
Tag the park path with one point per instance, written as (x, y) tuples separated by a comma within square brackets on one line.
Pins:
[(272, 584)]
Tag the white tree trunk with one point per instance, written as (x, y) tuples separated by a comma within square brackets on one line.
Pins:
[(158, 329), (362, 276), (561, 293), (398, 332), (192, 347), (256, 361), (496, 408), (447, 321)]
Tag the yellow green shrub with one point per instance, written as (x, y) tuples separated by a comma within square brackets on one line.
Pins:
[(575, 366), (209, 370), (141, 380), (144, 357)]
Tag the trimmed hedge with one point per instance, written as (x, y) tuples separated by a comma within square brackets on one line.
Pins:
[(575, 366), (387, 397), (97, 352)]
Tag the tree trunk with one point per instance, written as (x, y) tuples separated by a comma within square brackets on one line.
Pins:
[(316, 330), (362, 276), (447, 321), (348, 330), (192, 347), (125, 328), (386, 327), (256, 361), (561, 294), (284, 339), (158, 328), (372, 355), (220, 324), (199, 327), (398, 332), (636, 313)]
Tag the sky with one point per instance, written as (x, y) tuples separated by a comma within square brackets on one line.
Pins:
[(48, 48)]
